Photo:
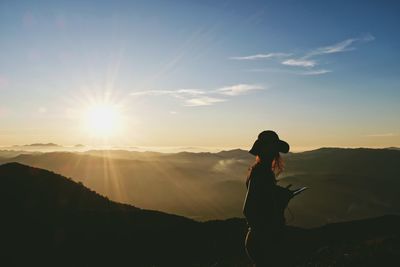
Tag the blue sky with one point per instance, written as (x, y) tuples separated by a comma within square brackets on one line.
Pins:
[(205, 73)]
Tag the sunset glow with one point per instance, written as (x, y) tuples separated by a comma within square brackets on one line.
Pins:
[(103, 120), (199, 74)]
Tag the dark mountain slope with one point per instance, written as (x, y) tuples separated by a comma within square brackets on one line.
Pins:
[(49, 220), (49, 192), (368, 242)]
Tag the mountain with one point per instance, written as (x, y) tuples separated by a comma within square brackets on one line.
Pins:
[(11, 153), (367, 242), (349, 184), (175, 183), (393, 148), (42, 145), (50, 220), (79, 145)]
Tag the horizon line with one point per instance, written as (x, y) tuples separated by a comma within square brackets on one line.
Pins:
[(162, 149)]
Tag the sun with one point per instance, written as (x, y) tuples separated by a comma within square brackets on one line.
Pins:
[(103, 120)]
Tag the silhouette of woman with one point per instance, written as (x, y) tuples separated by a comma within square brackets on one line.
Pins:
[(263, 208)]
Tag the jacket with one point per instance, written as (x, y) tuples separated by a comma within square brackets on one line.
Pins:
[(265, 201)]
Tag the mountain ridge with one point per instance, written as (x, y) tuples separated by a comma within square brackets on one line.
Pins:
[(119, 234), (354, 183)]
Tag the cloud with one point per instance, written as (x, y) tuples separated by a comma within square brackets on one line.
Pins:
[(382, 135), (291, 71), (150, 92), (315, 72), (176, 93), (238, 89), (335, 48), (261, 56), (342, 46), (300, 63), (367, 38), (308, 60), (202, 101), (226, 164), (197, 97)]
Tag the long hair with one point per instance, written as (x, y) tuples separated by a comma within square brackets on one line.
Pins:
[(277, 165)]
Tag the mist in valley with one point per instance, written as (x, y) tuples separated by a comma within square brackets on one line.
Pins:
[(345, 184)]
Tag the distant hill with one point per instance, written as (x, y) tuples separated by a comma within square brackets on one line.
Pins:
[(9, 153), (393, 148), (349, 184), (42, 145), (49, 220), (79, 145)]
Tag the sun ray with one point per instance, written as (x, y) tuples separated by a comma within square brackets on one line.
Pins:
[(103, 120)]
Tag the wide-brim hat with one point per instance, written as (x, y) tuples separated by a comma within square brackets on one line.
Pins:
[(268, 140)]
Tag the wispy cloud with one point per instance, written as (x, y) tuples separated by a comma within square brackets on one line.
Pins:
[(342, 46), (307, 60), (177, 93), (382, 135), (291, 71), (299, 63), (197, 97), (310, 59), (262, 56), (315, 72), (238, 89), (335, 48), (202, 101)]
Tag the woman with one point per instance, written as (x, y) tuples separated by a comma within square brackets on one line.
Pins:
[(265, 201)]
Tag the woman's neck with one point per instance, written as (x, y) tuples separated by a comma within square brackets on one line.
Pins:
[(266, 160), (267, 164)]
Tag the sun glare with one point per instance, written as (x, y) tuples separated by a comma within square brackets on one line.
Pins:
[(103, 120)]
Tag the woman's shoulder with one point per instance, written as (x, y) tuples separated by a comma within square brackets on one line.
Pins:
[(259, 170)]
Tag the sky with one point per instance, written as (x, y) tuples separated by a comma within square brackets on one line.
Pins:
[(200, 73)]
